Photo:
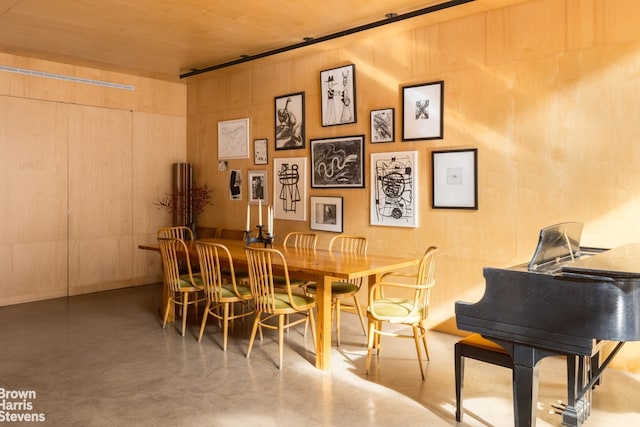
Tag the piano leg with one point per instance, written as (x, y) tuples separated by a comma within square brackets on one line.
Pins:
[(525, 383)]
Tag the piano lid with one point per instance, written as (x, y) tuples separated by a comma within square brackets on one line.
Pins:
[(557, 243)]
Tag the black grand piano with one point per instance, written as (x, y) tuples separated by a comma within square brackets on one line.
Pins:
[(568, 300)]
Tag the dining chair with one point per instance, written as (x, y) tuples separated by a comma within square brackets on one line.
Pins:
[(388, 302), (344, 289), (179, 232), (206, 232), (274, 303), (298, 240), (220, 296), (179, 285)]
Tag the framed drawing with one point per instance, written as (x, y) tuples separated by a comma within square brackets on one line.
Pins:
[(394, 191), (235, 184), (326, 214), (455, 179), (337, 162), (289, 121), (258, 187), (382, 125), (233, 139), (422, 111), (260, 152), (338, 92), (290, 188)]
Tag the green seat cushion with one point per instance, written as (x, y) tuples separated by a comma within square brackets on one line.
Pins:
[(282, 301), (227, 291), (186, 283), (395, 309)]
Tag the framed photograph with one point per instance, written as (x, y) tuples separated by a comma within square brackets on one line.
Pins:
[(455, 179), (289, 121), (383, 125), (394, 190), (338, 92), (260, 152), (235, 184), (233, 139), (326, 214), (337, 162), (257, 181), (290, 188), (422, 111)]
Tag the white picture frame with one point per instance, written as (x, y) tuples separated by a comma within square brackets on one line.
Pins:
[(233, 139), (257, 186), (290, 188), (394, 189), (327, 214)]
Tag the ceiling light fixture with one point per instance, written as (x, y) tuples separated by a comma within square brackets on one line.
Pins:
[(305, 43)]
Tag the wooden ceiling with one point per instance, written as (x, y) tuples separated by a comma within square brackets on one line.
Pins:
[(169, 38)]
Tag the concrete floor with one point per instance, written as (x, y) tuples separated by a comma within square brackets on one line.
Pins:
[(104, 360)]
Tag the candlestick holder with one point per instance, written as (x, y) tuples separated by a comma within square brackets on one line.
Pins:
[(263, 238)]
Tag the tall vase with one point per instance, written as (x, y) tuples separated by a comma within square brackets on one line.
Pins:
[(182, 185)]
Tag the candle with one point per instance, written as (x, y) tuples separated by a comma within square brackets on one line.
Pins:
[(271, 221), (259, 211), (248, 217)]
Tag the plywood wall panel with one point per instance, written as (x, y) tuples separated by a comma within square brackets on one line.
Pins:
[(33, 230), (100, 197)]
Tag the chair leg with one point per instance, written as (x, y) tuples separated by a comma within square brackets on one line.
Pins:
[(359, 310), (185, 310), (256, 322), (372, 337), (423, 331), (166, 311), (280, 339), (338, 321), (311, 319), (225, 325), (416, 339), (204, 319)]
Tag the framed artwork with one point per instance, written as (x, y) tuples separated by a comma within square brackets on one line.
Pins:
[(289, 121), (338, 92), (326, 214), (422, 111), (383, 125), (455, 179), (235, 184), (290, 188), (258, 187), (233, 139), (394, 191), (337, 162), (260, 152)]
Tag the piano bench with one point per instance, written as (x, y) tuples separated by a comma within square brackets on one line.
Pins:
[(476, 347)]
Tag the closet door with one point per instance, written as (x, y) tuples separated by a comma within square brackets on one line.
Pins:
[(100, 199), (33, 200)]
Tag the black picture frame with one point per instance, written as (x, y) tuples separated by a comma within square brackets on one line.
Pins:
[(338, 95), (289, 124), (383, 125), (423, 111), (337, 162), (455, 179)]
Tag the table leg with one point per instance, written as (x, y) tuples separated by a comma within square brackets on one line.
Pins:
[(323, 323)]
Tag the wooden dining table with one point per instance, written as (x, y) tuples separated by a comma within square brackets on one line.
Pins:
[(324, 267)]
